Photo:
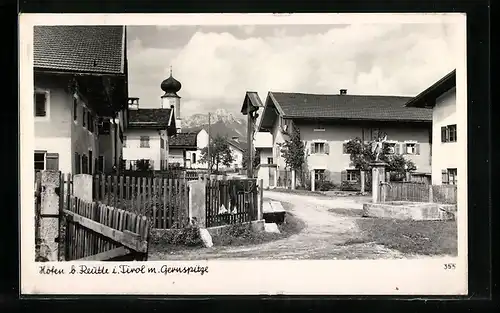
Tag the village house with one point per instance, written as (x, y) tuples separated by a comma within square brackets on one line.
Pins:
[(146, 141), (327, 122), (80, 84), (237, 149), (182, 150), (266, 170), (441, 97)]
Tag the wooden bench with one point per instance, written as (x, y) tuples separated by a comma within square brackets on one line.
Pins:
[(273, 212)]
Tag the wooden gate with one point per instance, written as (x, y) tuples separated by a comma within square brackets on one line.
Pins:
[(231, 201), (97, 232)]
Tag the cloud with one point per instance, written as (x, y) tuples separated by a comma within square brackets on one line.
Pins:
[(249, 29), (217, 68)]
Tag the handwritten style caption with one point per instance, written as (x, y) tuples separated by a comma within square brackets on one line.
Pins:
[(122, 269)]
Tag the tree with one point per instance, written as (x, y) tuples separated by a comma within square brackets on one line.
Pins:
[(220, 153), (361, 156), (293, 151), (143, 165)]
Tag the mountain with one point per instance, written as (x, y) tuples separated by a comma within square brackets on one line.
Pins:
[(222, 123)]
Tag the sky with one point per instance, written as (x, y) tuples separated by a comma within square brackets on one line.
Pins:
[(216, 65)]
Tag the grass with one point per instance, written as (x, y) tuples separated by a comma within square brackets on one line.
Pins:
[(239, 235), (411, 237)]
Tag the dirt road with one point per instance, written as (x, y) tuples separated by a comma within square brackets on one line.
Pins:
[(326, 236)]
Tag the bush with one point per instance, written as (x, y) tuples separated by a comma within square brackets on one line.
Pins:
[(324, 185), (348, 186), (188, 236)]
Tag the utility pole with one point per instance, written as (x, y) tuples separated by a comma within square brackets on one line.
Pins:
[(208, 147)]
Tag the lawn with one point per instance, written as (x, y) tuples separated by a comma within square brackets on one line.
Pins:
[(411, 237)]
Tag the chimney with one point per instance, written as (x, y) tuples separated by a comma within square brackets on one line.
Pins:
[(343, 92), (235, 138), (133, 103)]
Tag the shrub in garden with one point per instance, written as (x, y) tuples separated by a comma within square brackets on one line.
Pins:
[(348, 186)]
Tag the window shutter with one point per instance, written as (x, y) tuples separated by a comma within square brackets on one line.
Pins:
[(417, 149), (312, 148), (397, 148), (443, 134), (327, 148), (444, 174), (343, 176), (52, 161)]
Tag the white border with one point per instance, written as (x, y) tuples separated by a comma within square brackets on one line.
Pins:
[(353, 277)]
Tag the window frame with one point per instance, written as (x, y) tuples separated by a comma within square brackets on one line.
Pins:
[(393, 144), (44, 153), (144, 143), (350, 173), (47, 104), (272, 160), (319, 144), (446, 131), (408, 144)]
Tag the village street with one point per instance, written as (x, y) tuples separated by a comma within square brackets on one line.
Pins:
[(327, 235)]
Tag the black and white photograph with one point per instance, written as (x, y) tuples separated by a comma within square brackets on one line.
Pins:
[(175, 150)]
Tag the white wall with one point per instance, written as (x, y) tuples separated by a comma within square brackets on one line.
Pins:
[(59, 145), (237, 156), (444, 154), (133, 151)]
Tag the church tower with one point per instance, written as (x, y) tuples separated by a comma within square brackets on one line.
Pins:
[(170, 99)]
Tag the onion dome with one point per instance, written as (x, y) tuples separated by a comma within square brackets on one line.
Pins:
[(171, 85)]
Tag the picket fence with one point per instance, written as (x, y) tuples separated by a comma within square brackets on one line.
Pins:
[(419, 192), (165, 201)]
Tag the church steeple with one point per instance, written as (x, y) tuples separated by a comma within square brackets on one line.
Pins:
[(171, 99)]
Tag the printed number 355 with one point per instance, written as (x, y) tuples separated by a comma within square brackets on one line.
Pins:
[(449, 266)]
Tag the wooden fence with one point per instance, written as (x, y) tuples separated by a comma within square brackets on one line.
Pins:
[(418, 192), (231, 201), (95, 232), (165, 201)]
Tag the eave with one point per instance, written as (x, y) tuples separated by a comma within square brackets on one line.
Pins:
[(427, 98)]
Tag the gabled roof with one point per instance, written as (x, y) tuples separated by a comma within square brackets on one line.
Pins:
[(91, 49), (150, 118), (237, 144), (346, 107), (251, 99), (183, 140), (427, 98)]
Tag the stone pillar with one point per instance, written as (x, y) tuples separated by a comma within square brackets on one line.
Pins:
[(293, 179), (362, 177), (82, 187), (49, 215), (197, 209), (378, 176), (260, 200), (313, 181)]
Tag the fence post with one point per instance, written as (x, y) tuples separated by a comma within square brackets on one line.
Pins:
[(50, 215), (293, 179), (197, 203), (362, 178), (431, 196), (261, 200), (313, 181)]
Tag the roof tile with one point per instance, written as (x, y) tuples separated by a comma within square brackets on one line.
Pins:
[(149, 118), (97, 49), (357, 107), (183, 140)]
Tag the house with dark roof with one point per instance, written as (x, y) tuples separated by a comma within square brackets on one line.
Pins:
[(237, 149), (442, 99), (327, 122), (183, 148), (80, 97)]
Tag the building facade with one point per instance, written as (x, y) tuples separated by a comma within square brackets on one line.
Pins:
[(327, 122), (72, 93), (441, 97)]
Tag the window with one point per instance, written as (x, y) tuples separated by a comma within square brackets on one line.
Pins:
[(319, 174), (320, 148), (100, 164), (75, 109), (269, 160), (449, 133), (78, 163), (85, 164), (39, 161), (162, 143), (411, 148), (352, 175), (124, 141), (84, 121), (144, 141), (41, 98), (390, 148), (193, 157), (449, 176)]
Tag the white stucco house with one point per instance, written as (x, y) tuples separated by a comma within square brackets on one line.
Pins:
[(80, 96), (442, 98), (149, 129), (266, 170)]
